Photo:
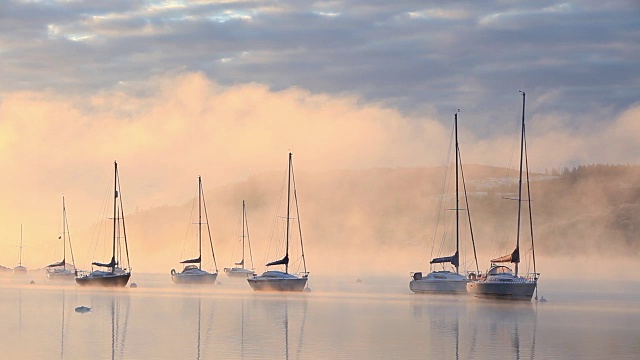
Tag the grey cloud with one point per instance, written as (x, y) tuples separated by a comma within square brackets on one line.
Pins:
[(407, 55)]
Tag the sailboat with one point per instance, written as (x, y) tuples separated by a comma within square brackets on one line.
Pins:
[(192, 273), (500, 282), (276, 280), (20, 270), (445, 281), (239, 270), (60, 270), (116, 275)]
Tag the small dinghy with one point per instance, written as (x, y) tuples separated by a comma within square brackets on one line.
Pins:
[(83, 309)]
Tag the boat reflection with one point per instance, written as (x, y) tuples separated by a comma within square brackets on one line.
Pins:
[(467, 329), (283, 314), (443, 317), (119, 305), (509, 329)]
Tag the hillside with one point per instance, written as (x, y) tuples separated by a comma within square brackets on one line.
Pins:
[(372, 218)]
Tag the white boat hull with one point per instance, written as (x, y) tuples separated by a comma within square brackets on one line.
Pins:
[(61, 275), (238, 272), (502, 290), (186, 278), (439, 282)]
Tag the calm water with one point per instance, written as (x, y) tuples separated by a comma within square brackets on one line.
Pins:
[(339, 319)]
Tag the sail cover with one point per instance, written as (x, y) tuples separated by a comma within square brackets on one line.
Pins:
[(61, 263), (454, 259), (514, 257), (112, 263), (283, 261), (197, 260), (241, 263)]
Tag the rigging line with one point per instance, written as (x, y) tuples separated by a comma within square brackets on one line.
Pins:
[(235, 243), (440, 200), (295, 197), (69, 237), (186, 235), (466, 200), (206, 217), (274, 244), (97, 229), (124, 229), (248, 238), (533, 249)]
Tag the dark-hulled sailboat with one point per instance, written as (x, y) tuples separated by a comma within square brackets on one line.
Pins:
[(62, 270), (192, 273), (500, 282), (276, 280), (116, 273), (445, 281)]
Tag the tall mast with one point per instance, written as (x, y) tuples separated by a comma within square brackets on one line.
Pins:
[(520, 182), (288, 212), (200, 222), (455, 125), (115, 213), (244, 219), (20, 253), (64, 236)]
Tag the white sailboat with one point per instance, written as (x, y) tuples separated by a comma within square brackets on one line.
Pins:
[(192, 273), (501, 282), (446, 281), (276, 280), (61, 270), (239, 271), (116, 275), (20, 269)]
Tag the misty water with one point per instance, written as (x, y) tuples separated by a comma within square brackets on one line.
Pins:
[(378, 318)]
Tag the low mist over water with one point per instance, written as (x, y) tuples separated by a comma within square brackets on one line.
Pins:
[(377, 318)]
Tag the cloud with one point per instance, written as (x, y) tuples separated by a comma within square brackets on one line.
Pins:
[(404, 55)]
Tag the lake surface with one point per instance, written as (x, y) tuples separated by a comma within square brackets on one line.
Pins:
[(340, 319)]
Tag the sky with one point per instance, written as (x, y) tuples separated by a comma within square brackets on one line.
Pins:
[(224, 89)]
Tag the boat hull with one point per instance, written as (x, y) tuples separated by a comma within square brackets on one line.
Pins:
[(61, 276), (438, 282), (238, 273), (119, 280), (438, 286), (296, 285), (502, 290), (194, 278)]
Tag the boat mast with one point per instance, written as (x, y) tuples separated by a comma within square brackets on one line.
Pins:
[(200, 222), (244, 219), (286, 266), (115, 213), (455, 125), (20, 252), (64, 236), (520, 183)]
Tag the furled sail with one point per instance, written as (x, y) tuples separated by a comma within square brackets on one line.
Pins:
[(241, 263), (514, 257), (283, 261), (112, 263), (454, 259), (197, 260), (61, 263)]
